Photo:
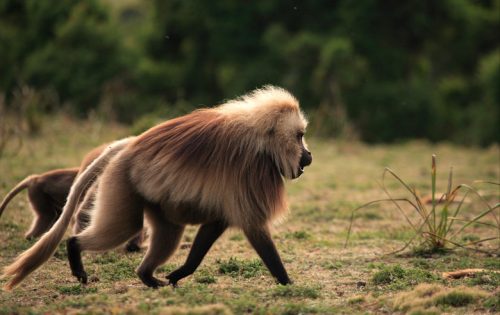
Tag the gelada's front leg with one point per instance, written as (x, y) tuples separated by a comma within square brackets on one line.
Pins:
[(206, 236), (260, 238)]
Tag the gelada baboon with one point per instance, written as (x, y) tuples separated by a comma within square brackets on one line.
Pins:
[(47, 193), (220, 167)]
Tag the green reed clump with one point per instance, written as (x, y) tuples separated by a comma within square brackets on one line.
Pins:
[(440, 225)]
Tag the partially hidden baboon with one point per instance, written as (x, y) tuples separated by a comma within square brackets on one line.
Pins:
[(47, 193), (219, 167)]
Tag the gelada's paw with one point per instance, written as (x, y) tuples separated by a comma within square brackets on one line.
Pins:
[(81, 276)]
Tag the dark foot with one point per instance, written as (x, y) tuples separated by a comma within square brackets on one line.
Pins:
[(177, 275), (132, 247), (75, 260), (81, 276), (134, 244), (286, 281), (172, 282), (151, 281)]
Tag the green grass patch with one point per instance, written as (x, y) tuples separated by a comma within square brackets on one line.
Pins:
[(391, 234), (422, 263), (10, 227), (298, 235), (470, 238), (396, 277), (332, 265), (237, 237), (196, 294), (245, 302), (106, 258), (295, 291), (491, 263), (77, 289), (455, 299), (368, 215), (434, 297), (234, 267), (120, 270), (204, 276), (356, 300), (487, 280), (212, 309), (167, 268), (492, 302), (298, 309)]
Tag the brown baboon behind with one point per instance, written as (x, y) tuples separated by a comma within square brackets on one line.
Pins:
[(47, 194), (217, 167)]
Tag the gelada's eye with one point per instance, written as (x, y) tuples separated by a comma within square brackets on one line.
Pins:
[(300, 134)]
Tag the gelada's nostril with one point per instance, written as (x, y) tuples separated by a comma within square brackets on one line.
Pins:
[(306, 159)]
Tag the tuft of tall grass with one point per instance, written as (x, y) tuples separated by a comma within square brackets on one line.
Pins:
[(440, 226)]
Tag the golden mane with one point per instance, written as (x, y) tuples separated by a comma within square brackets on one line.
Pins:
[(202, 156)]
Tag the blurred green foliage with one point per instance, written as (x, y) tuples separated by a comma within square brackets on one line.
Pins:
[(383, 70)]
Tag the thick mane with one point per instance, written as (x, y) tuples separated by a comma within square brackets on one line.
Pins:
[(261, 102), (260, 109), (202, 156)]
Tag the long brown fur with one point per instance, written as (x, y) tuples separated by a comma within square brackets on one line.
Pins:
[(201, 156), (51, 180), (25, 183), (43, 249), (223, 165), (47, 193)]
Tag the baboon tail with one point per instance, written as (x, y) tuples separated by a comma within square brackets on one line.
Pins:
[(22, 185), (43, 249)]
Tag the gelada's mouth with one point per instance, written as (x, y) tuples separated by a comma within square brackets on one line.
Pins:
[(299, 172)]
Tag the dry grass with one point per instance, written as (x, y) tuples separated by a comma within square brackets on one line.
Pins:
[(327, 277), (429, 297)]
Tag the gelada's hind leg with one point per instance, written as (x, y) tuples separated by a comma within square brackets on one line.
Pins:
[(135, 243), (83, 215), (163, 242), (117, 217), (45, 208)]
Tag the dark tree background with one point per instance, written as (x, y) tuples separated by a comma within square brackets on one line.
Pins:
[(383, 70)]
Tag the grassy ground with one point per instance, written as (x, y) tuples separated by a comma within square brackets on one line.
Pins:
[(327, 277)]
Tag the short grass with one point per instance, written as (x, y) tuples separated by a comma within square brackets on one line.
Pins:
[(328, 278)]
